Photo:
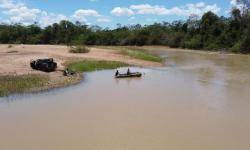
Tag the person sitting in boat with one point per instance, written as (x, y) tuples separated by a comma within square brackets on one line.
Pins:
[(117, 73), (128, 72)]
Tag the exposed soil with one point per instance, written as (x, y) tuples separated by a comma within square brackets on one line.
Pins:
[(15, 60)]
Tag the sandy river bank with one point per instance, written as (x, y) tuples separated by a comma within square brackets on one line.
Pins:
[(15, 61)]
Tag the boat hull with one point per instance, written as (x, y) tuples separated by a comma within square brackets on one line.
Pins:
[(131, 75)]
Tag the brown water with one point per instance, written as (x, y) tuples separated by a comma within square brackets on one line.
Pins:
[(196, 102)]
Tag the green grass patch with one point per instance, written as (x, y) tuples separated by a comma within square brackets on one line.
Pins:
[(135, 52), (20, 83), (92, 65), (142, 55)]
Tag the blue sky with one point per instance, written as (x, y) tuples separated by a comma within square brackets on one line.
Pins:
[(107, 13)]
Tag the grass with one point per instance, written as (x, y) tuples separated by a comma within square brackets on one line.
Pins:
[(20, 83), (92, 65), (134, 52), (142, 55), (79, 49)]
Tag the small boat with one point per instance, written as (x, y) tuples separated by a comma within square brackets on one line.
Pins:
[(130, 75)]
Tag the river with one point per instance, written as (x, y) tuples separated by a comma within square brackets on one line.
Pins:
[(197, 101)]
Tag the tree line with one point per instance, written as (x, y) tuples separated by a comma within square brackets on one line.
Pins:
[(210, 32)]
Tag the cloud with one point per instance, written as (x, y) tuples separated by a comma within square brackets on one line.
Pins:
[(235, 4), (118, 11), (85, 13), (82, 14), (20, 13), (147, 9), (103, 19)]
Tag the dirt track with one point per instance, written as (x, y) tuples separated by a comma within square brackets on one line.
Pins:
[(15, 60)]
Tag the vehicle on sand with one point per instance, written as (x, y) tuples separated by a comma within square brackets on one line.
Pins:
[(46, 65)]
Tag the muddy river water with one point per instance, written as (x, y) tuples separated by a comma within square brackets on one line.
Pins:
[(195, 102)]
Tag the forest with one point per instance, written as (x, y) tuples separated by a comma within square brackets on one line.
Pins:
[(209, 32)]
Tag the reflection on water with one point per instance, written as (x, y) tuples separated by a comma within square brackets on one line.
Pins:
[(198, 101)]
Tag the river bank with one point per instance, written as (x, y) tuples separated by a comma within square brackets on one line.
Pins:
[(15, 61)]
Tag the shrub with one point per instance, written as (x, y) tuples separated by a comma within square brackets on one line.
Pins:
[(79, 49), (237, 47), (194, 43), (245, 45), (212, 46), (176, 40)]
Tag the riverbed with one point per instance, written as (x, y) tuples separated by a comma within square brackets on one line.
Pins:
[(195, 101)]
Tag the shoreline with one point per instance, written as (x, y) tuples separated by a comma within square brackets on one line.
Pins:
[(16, 62), (198, 51)]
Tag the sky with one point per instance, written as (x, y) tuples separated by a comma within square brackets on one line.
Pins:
[(108, 13)]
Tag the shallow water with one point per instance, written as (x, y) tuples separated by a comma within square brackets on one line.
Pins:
[(196, 102)]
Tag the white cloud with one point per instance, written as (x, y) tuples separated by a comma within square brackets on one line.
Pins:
[(21, 13), (147, 9), (235, 4), (118, 11), (86, 13), (103, 19), (81, 14)]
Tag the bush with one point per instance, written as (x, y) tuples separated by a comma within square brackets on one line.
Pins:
[(194, 43), (79, 49), (176, 40), (237, 47), (212, 46), (245, 45)]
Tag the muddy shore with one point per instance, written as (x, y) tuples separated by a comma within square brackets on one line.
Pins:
[(15, 61)]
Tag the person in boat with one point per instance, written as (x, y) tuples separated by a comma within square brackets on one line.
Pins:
[(128, 71), (117, 73)]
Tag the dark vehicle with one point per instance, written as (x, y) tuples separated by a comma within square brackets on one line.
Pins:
[(47, 65), (135, 74)]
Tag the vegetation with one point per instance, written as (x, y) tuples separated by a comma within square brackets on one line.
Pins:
[(22, 83), (92, 65), (142, 55), (135, 53), (79, 49), (210, 32)]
